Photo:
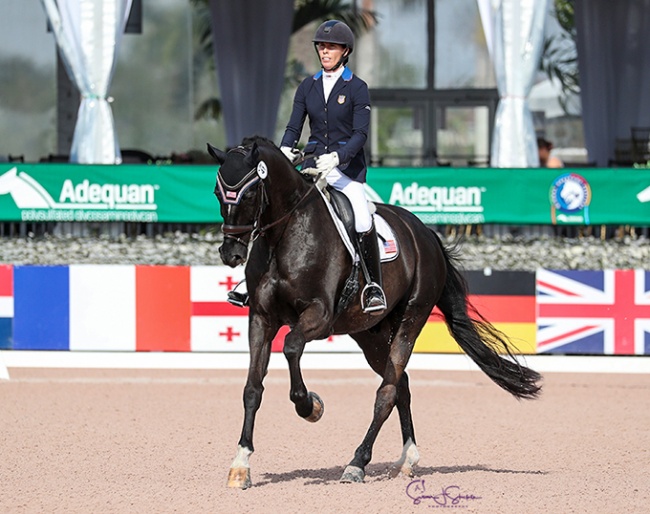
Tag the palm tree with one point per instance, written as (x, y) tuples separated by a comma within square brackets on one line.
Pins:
[(560, 56), (305, 12)]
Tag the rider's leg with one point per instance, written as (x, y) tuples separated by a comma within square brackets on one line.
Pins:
[(372, 296)]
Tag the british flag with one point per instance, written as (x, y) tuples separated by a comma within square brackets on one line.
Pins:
[(593, 312)]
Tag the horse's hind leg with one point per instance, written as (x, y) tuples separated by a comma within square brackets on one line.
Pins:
[(377, 360), (388, 396), (410, 455)]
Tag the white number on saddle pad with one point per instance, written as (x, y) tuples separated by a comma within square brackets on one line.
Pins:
[(262, 170)]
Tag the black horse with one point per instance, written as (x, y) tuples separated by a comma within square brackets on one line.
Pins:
[(296, 273)]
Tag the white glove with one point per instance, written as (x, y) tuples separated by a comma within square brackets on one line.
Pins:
[(290, 153), (326, 163)]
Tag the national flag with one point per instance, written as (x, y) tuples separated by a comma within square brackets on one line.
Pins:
[(216, 325), (390, 247), (593, 312), (6, 305), (220, 326), (505, 298), (94, 307)]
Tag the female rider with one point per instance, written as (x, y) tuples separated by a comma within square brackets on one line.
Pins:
[(338, 106)]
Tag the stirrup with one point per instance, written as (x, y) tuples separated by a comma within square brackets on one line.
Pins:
[(238, 299), (378, 296)]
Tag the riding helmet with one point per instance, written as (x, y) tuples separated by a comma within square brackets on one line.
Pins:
[(334, 31)]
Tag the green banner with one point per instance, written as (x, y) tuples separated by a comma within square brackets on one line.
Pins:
[(579, 196), (184, 194), (135, 193)]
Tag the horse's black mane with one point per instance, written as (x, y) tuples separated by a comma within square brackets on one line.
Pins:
[(260, 140)]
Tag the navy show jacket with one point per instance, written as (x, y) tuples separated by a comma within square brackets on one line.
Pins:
[(340, 125)]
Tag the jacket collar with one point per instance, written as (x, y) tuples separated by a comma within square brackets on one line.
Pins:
[(347, 74)]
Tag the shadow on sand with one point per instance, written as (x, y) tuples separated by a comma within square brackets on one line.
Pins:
[(379, 471)]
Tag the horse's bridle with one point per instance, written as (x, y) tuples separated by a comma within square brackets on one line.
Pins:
[(232, 195)]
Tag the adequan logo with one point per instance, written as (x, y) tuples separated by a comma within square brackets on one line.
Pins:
[(34, 200)]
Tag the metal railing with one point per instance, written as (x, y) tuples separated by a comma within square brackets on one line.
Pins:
[(119, 229)]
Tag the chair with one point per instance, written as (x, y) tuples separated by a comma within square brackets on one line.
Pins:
[(479, 163), (623, 153), (641, 144), (55, 158), (133, 156)]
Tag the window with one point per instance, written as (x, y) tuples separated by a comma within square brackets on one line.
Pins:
[(462, 59), (395, 53)]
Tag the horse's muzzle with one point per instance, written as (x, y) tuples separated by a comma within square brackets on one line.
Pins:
[(233, 253)]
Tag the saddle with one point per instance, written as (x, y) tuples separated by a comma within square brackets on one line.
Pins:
[(341, 211)]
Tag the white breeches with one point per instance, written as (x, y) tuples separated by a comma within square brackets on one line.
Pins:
[(357, 196)]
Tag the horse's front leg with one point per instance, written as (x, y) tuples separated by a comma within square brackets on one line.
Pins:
[(260, 337), (312, 324)]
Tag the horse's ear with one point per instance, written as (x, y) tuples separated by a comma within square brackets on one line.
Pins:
[(217, 154), (252, 156)]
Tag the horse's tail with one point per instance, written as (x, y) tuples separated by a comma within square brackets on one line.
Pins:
[(480, 339)]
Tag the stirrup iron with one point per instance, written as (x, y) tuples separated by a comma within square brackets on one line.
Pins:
[(378, 295), (238, 299)]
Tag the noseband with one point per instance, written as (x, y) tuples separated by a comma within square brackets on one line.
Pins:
[(232, 195)]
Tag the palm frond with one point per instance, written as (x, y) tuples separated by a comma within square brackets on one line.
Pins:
[(209, 109), (358, 19)]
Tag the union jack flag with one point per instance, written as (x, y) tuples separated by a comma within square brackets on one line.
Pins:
[(594, 312)]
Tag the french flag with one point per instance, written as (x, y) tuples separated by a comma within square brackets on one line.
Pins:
[(94, 307)]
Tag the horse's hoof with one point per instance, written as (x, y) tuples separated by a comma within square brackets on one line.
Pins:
[(353, 474), (317, 410), (239, 478)]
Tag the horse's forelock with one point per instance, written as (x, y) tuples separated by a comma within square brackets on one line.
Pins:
[(239, 162)]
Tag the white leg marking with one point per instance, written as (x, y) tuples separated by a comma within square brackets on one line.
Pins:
[(239, 475), (241, 459), (410, 457)]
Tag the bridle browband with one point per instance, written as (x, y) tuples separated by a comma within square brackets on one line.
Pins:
[(232, 195)]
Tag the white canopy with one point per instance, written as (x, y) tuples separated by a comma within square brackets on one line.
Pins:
[(88, 34)]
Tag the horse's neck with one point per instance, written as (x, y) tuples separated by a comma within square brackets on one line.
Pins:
[(288, 188)]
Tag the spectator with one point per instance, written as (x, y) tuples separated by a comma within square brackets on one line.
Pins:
[(546, 160)]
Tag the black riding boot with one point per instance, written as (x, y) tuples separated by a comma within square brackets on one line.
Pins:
[(372, 296)]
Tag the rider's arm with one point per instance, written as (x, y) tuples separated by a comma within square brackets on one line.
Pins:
[(297, 119)]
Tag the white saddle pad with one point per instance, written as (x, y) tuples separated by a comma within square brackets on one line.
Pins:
[(386, 240)]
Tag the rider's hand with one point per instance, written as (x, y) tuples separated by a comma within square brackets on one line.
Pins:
[(327, 162), (290, 153)]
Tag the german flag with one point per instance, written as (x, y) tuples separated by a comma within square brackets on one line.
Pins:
[(505, 298)]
